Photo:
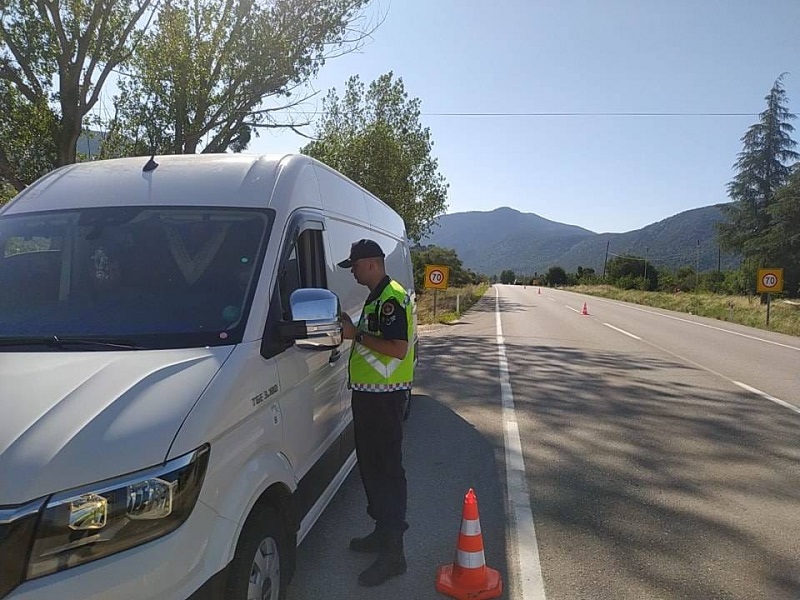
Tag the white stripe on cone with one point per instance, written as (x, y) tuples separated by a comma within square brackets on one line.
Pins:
[(470, 560), (470, 526)]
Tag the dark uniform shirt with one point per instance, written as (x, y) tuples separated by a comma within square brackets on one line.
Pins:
[(392, 322)]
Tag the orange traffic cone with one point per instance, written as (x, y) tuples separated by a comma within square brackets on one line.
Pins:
[(468, 578), (540, 290), (585, 310)]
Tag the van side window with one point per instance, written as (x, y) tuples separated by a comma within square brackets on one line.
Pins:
[(312, 259), (289, 281), (303, 267)]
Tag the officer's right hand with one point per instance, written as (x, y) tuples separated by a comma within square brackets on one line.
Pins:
[(348, 329)]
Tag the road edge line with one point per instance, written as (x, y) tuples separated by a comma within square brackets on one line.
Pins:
[(521, 542)]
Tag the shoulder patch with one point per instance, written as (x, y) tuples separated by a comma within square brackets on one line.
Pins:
[(387, 309)]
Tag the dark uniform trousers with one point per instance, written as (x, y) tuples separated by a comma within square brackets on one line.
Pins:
[(378, 426)]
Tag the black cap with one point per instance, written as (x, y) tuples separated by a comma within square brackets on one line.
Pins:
[(362, 249)]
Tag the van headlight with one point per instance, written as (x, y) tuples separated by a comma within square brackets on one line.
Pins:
[(78, 526)]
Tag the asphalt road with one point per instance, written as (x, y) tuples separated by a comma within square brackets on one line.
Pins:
[(661, 457)]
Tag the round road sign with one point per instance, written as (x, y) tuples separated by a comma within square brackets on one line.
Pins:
[(769, 280)]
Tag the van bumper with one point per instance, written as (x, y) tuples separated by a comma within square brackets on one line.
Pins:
[(182, 565)]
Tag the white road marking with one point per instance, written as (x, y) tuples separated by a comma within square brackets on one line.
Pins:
[(636, 337), (721, 376), (521, 539), (652, 312), (572, 309), (753, 390)]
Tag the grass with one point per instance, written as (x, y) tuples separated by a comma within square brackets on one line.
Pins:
[(450, 303), (783, 316)]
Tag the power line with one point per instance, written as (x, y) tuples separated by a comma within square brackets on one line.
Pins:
[(590, 114), (560, 114)]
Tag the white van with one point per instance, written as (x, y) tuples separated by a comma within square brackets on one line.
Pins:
[(174, 411)]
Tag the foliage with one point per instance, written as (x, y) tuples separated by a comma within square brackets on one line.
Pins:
[(201, 77), (763, 168), (374, 136), (450, 303), (6, 192), (507, 276), (433, 255), (27, 139), (782, 241), (556, 276), (78, 41), (632, 272), (784, 317), (586, 276)]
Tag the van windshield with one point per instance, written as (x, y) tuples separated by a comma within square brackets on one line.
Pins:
[(129, 277)]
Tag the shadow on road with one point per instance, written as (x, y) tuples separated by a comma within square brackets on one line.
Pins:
[(643, 459), (444, 456)]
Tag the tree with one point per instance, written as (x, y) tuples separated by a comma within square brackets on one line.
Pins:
[(6, 193), (629, 272), (434, 255), (81, 42), (507, 276), (762, 169), (28, 135), (586, 276), (556, 276), (204, 75), (374, 136), (782, 242)]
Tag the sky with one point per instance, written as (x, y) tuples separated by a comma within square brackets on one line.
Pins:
[(532, 61)]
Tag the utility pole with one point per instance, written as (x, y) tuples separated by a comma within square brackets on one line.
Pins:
[(645, 268), (697, 271), (605, 262)]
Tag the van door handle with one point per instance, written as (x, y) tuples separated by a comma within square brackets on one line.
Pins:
[(335, 356)]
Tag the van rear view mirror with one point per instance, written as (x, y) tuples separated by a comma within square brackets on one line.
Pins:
[(316, 319)]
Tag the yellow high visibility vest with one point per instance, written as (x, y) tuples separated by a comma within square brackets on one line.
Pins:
[(371, 371)]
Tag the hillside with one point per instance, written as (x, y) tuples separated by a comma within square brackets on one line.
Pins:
[(504, 238)]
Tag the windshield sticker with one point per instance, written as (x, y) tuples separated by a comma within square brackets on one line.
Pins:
[(194, 259)]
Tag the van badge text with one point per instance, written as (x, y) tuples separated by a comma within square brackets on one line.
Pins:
[(264, 395)]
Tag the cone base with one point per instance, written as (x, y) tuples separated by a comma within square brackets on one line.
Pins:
[(446, 584)]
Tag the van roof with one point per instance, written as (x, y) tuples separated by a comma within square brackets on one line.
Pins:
[(243, 180)]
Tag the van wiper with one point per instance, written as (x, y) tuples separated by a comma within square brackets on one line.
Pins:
[(54, 341)]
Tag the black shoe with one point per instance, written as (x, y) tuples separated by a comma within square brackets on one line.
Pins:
[(385, 567), (373, 543)]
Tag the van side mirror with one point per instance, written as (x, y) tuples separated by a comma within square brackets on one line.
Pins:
[(316, 319)]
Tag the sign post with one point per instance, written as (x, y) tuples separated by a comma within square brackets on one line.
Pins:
[(436, 277), (769, 281)]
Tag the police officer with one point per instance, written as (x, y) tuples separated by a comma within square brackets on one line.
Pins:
[(381, 374)]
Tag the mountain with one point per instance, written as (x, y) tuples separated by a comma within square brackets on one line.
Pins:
[(504, 238), (89, 143)]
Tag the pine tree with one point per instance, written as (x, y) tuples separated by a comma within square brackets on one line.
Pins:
[(764, 166), (783, 240)]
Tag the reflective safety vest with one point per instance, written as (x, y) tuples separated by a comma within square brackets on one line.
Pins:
[(371, 371)]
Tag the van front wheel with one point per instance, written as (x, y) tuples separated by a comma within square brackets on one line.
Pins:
[(259, 567)]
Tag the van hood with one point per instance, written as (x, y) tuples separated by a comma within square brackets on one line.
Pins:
[(73, 418)]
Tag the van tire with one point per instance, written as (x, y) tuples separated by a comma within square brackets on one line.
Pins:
[(260, 565)]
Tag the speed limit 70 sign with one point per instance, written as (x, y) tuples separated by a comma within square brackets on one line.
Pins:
[(436, 276), (769, 281)]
